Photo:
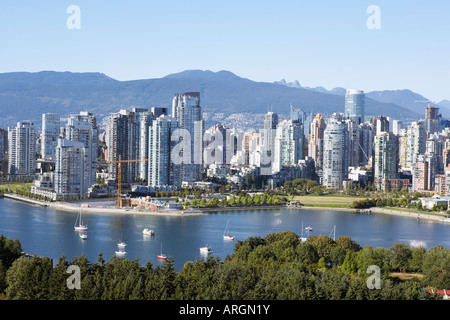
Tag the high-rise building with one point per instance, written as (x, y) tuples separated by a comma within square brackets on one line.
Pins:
[(22, 149), (402, 151), (164, 169), (397, 126), (217, 145), (83, 128), (122, 140), (335, 149), (49, 135), (386, 159), (72, 169), (432, 119), (289, 141), (354, 149), (145, 121), (267, 155), (315, 143), (187, 111), (3, 144), (424, 173), (415, 143), (366, 137), (302, 117), (354, 105), (380, 124)]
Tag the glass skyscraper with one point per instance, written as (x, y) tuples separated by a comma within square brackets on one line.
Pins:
[(335, 149), (50, 135), (187, 111), (354, 105)]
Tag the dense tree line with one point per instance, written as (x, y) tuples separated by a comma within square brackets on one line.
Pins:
[(277, 266)]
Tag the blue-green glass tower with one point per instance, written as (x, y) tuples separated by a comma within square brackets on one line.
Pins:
[(354, 105)]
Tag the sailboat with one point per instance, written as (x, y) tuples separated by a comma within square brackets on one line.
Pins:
[(333, 232), (121, 244), (161, 256), (302, 239), (80, 225), (227, 236)]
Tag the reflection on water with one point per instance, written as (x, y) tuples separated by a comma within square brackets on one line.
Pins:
[(49, 232)]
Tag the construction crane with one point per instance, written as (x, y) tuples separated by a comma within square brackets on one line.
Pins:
[(429, 102), (119, 175)]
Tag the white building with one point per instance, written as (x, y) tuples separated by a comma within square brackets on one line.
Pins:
[(335, 160), (164, 169), (50, 134), (187, 111), (288, 148), (72, 169), (83, 128), (22, 149)]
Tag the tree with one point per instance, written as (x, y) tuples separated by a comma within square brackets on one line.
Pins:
[(400, 254), (28, 279), (58, 281), (323, 245), (348, 244), (10, 250), (337, 255), (417, 258), (307, 253), (167, 277), (350, 264), (435, 256)]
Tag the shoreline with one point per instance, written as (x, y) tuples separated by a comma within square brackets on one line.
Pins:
[(406, 214), (202, 211), (64, 206)]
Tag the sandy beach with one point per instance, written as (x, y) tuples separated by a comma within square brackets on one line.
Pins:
[(67, 206)]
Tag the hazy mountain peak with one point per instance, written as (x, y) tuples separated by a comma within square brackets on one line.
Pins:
[(56, 78), (203, 74), (294, 84)]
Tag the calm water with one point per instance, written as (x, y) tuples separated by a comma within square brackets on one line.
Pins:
[(49, 232)]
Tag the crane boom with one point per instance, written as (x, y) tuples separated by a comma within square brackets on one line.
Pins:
[(119, 175)]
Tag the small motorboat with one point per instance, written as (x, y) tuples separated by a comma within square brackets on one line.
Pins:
[(148, 232), (206, 249)]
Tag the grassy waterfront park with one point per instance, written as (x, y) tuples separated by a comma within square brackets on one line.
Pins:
[(306, 193)]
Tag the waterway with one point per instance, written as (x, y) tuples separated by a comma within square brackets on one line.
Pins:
[(49, 232)]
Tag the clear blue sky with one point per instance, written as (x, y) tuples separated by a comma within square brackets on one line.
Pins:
[(319, 42)]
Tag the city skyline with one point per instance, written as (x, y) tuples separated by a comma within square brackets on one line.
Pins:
[(328, 44), (217, 144)]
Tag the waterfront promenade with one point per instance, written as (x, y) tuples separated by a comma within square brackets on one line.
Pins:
[(66, 206), (102, 206)]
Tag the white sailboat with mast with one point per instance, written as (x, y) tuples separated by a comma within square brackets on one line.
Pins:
[(302, 238), (227, 236), (80, 226)]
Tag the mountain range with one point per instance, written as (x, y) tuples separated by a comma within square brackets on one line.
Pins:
[(26, 95), (404, 98)]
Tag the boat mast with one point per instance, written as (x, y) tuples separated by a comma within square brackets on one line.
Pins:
[(333, 231)]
